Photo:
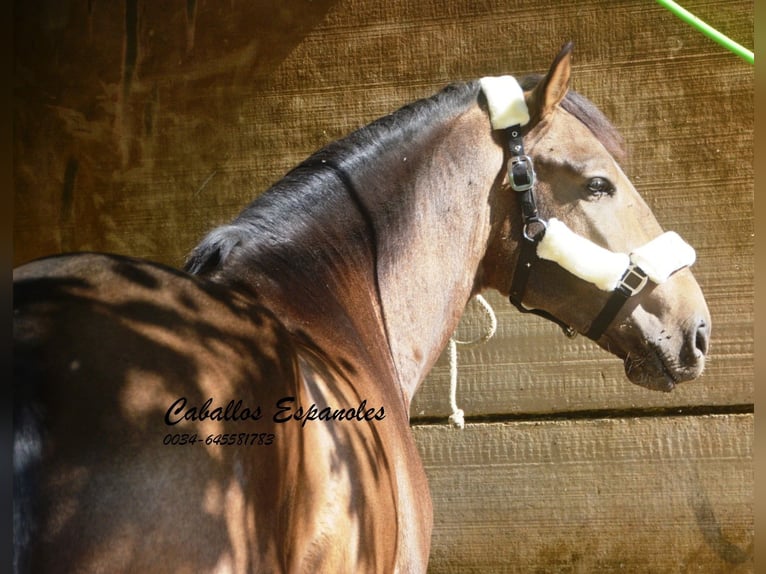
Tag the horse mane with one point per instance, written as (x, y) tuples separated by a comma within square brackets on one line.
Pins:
[(315, 178), (312, 184)]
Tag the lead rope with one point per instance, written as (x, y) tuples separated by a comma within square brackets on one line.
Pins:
[(457, 418)]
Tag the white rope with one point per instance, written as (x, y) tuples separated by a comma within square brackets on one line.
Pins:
[(457, 418)]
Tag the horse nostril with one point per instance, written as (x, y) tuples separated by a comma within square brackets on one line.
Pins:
[(695, 346), (702, 337)]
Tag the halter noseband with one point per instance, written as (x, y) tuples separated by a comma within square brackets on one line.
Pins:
[(621, 274)]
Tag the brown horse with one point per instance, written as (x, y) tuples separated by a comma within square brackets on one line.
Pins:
[(251, 413)]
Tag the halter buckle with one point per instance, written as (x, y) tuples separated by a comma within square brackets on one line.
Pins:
[(521, 173), (534, 229), (632, 281)]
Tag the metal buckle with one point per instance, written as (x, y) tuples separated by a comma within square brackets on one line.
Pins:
[(537, 235), (633, 280), (521, 173)]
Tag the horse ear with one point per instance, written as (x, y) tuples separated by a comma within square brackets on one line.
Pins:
[(555, 85)]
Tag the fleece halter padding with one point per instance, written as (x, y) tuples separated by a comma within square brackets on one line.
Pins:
[(663, 256), (581, 257), (505, 98), (659, 258)]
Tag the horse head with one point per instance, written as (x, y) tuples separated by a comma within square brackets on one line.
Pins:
[(574, 241)]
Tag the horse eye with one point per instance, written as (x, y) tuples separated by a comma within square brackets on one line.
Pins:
[(600, 186)]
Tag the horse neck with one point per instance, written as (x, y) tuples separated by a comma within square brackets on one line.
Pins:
[(384, 253), (435, 240)]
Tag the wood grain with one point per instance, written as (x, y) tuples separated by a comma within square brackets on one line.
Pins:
[(642, 495)]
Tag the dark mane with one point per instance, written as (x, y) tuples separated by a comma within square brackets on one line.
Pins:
[(407, 120), (312, 184)]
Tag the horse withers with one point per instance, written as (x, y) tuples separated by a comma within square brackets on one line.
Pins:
[(251, 412)]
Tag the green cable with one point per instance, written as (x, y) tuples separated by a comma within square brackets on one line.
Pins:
[(709, 31)]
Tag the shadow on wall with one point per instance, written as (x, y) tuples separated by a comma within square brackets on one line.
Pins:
[(104, 92)]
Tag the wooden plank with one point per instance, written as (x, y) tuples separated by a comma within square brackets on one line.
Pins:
[(644, 495)]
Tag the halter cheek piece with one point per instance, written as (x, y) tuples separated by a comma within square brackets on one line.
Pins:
[(620, 274)]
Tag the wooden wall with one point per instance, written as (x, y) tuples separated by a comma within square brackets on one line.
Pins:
[(139, 125)]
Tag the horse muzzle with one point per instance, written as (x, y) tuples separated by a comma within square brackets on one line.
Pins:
[(667, 359)]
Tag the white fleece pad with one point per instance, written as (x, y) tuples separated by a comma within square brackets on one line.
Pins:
[(663, 255), (582, 257), (505, 97)]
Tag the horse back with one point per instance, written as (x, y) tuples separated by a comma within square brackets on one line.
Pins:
[(161, 424)]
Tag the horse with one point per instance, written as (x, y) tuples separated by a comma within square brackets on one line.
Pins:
[(250, 412)]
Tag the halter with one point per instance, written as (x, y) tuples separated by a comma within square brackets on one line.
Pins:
[(620, 274)]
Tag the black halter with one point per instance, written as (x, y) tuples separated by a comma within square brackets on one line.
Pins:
[(521, 176)]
